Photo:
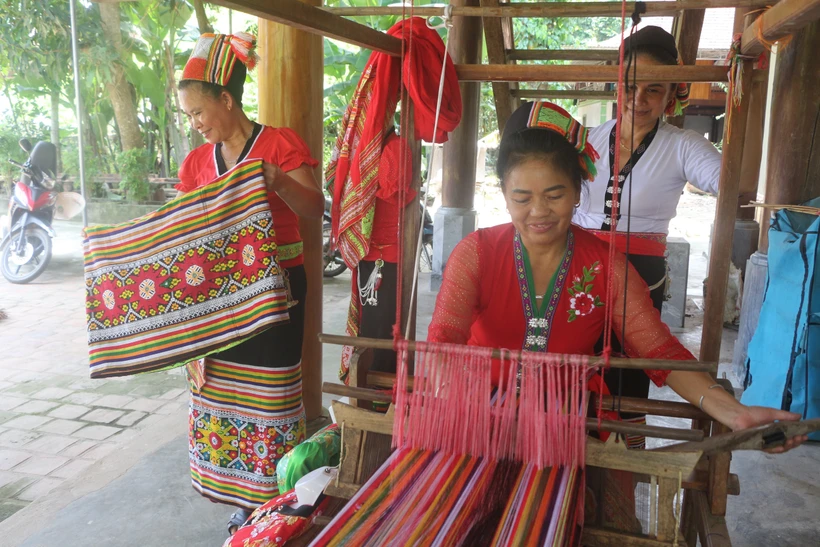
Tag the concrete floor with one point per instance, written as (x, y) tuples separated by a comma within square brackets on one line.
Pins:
[(140, 494)]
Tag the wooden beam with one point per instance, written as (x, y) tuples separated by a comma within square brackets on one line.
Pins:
[(725, 214), (688, 26), (564, 94), (575, 73), (615, 362), (562, 55), (317, 21), (496, 54), (711, 529), (551, 9), (784, 18), (623, 428)]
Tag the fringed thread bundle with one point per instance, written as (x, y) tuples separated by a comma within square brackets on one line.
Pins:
[(535, 416)]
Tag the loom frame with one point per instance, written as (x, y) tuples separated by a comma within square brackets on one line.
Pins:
[(366, 439)]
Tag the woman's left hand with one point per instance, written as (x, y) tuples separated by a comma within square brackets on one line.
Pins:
[(274, 176), (752, 416)]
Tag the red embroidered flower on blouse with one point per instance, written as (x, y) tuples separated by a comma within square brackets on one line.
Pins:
[(582, 302)]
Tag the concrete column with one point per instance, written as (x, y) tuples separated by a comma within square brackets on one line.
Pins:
[(290, 95), (456, 217)]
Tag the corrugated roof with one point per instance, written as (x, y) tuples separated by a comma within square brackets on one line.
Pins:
[(715, 38)]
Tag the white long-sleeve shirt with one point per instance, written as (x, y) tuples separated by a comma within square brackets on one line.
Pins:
[(674, 157)]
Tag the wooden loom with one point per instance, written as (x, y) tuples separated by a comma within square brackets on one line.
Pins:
[(707, 480)]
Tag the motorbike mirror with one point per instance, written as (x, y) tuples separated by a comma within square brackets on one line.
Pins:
[(25, 144), (44, 157)]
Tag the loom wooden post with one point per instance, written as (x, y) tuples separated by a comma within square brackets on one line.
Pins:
[(667, 494), (793, 168), (496, 53), (725, 213), (753, 140), (719, 466), (688, 26), (290, 95), (410, 228), (458, 165)]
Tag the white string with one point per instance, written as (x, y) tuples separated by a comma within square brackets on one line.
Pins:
[(447, 23)]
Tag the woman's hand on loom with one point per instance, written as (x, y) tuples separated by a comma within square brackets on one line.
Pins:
[(751, 416)]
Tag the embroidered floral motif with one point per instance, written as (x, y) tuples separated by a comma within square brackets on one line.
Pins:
[(582, 302)]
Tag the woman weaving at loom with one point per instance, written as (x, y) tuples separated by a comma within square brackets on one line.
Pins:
[(246, 402), (656, 161), (540, 283)]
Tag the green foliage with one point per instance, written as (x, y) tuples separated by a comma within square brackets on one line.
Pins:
[(94, 169), (11, 132), (134, 167)]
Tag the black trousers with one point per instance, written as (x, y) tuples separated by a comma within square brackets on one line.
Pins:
[(635, 383), (281, 345), (377, 321)]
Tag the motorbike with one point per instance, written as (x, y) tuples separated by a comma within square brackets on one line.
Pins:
[(335, 265), (27, 231)]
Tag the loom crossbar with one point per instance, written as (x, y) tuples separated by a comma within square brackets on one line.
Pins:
[(615, 362), (592, 424)]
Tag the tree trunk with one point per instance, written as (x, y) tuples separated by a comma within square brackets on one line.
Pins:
[(181, 145), (119, 91), (55, 125), (202, 18)]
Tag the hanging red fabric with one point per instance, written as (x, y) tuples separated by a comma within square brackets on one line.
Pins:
[(419, 69)]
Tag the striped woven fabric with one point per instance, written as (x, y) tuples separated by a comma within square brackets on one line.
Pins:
[(426, 498), (241, 423), (195, 277)]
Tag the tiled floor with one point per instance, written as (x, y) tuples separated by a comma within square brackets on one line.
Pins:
[(54, 421)]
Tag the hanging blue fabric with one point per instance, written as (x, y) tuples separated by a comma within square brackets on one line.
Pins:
[(783, 364)]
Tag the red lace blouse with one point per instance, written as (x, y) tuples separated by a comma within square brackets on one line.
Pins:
[(480, 301)]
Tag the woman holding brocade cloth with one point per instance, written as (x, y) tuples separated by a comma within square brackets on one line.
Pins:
[(246, 402)]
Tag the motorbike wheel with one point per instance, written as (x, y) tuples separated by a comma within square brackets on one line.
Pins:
[(426, 259), (333, 263), (27, 267)]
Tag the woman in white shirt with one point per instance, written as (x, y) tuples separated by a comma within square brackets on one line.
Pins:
[(656, 162)]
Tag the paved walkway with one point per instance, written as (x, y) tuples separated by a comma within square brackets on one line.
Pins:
[(54, 421)]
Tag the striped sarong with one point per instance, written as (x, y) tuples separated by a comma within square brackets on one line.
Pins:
[(242, 421), (195, 277)]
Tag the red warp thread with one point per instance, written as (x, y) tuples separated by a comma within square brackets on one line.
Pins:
[(450, 408)]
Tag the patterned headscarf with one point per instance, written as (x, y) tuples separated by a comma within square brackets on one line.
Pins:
[(546, 115), (658, 39), (215, 55)]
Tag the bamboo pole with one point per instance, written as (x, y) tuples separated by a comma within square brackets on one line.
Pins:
[(562, 55), (579, 94), (576, 73), (784, 18), (317, 21), (549, 9), (615, 362)]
